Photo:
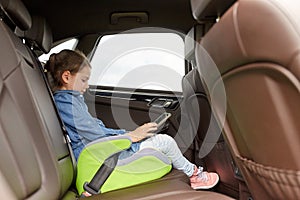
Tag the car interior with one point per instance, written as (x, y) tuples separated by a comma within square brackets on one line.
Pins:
[(236, 112)]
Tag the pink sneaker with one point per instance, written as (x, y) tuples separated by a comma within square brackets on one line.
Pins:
[(203, 180)]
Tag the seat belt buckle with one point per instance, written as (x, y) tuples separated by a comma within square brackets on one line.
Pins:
[(85, 194), (89, 189)]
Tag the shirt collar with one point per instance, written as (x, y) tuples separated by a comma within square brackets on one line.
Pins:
[(73, 92)]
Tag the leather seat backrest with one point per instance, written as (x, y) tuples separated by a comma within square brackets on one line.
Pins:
[(35, 161), (255, 47), (210, 149)]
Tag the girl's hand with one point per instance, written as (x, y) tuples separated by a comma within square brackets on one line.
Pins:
[(142, 132)]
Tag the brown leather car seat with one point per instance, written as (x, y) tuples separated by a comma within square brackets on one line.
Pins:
[(255, 47), (209, 147), (35, 161), (30, 166)]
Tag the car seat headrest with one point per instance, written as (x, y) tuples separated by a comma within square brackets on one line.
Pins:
[(204, 10), (39, 35), (191, 39), (17, 13), (237, 39)]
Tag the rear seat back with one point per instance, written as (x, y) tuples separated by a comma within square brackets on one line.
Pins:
[(210, 149), (35, 161)]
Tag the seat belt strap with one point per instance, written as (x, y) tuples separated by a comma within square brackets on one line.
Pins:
[(102, 174), (63, 127)]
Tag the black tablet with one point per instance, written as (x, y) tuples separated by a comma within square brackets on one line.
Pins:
[(162, 119)]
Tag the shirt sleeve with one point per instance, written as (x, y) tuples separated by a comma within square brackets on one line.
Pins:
[(75, 115), (113, 131)]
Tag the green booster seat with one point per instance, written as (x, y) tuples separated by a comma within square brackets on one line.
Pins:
[(99, 170)]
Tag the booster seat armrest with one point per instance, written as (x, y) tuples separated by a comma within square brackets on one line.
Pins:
[(146, 152), (104, 148), (97, 160)]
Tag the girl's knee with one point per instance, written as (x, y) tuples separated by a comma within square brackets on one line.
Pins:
[(166, 138)]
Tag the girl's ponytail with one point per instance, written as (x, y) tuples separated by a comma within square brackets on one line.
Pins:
[(50, 71), (50, 65)]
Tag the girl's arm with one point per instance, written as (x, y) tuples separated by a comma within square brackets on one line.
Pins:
[(110, 130)]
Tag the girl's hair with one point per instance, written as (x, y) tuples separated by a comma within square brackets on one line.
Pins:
[(66, 60)]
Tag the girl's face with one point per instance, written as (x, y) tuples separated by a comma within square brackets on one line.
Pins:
[(78, 81)]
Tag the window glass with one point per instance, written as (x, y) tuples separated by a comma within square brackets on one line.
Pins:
[(139, 60), (69, 44)]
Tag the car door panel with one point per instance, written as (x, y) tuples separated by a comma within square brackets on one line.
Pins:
[(127, 110)]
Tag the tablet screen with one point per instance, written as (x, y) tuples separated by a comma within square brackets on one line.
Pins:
[(162, 119)]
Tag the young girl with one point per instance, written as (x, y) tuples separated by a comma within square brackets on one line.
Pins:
[(68, 74)]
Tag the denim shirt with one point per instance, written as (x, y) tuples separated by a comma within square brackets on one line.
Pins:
[(81, 127)]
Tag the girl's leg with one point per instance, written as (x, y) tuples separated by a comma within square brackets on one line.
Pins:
[(168, 146)]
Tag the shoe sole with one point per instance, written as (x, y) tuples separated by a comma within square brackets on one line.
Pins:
[(207, 187)]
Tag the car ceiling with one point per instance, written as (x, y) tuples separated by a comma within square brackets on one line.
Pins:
[(69, 18)]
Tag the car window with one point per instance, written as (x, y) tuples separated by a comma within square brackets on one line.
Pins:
[(139, 60), (69, 44)]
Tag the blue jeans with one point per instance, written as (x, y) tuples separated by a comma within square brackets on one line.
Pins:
[(167, 145)]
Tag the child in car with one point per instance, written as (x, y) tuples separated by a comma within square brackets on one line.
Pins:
[(68, 73)]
